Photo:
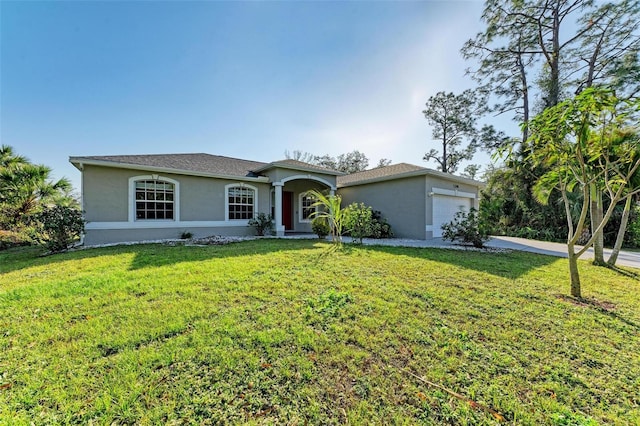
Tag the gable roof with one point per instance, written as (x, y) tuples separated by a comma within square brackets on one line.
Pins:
[(398, 171), (199, 164), (298, 165)]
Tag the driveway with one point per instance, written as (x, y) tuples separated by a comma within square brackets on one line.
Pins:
[(625, 258)]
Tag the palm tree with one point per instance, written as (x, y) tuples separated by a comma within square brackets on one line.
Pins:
[(25, 186), (331, 210)]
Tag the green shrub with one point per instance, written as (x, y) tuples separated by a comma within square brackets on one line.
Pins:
[(381, 228), (466, 228), (358, 221), (186, 235), (320, 227), (58, 227), (262, 223), (9, 239)]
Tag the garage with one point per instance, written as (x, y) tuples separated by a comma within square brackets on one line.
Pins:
[(445, 208)]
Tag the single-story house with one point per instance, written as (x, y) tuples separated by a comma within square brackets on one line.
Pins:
[(148, 197)]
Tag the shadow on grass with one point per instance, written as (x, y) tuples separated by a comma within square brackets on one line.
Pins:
[(503, 264), (507, 264), (148, 255), (604, 308)]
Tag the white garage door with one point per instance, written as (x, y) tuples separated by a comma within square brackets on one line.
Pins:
[(445, 208)]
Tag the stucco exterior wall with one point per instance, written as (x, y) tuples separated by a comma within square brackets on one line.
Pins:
[(106, 198), (299, 187), (401, 201)]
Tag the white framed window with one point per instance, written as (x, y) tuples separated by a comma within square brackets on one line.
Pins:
[(306, 207), (240, 201), (153, 197)]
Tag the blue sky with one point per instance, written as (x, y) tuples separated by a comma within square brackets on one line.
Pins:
[(241, 79)]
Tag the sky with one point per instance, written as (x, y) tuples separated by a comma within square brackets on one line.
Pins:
[(248, 79)]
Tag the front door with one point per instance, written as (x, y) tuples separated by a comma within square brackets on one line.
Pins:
[(287, 210)]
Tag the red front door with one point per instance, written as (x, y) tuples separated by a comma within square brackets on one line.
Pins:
[(287, 210)]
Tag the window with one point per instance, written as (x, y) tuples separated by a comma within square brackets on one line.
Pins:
[(154, 200), (306, 207), (241, 202)]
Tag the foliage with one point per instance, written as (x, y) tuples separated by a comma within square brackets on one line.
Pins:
[(262, 223), (359, 221), (330, 208), (583, 143), (158, 334), (58, 227), (9, 239), (381, 227), (383, 162), (467, 228), (453, 118), (351, 162), (186, 235), (320, 227), (25, 188)]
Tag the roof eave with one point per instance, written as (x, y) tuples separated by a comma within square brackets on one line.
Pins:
[(302, 169), (414, 173), (79, 163)]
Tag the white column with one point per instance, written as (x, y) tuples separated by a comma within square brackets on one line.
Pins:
[(332, 192), (279, 226)]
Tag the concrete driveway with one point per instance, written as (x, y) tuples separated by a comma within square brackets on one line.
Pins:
[(625, 258)]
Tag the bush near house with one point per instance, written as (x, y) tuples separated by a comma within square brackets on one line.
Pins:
[(262, 223), (58, 227), (466, 228)]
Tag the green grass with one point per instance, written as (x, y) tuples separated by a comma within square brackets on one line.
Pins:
[(293, 332)]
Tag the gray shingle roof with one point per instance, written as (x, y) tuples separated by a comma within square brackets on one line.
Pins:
[(300, 165), (380, 173), (203, 163)]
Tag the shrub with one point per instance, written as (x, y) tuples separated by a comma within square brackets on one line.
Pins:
[(466, 228), (186, 235), (381, 228), (358, 221), (58, 227), (320, 227), (262, 223), (9, 239)]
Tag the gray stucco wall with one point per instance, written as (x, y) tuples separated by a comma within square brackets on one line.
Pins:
[(106, 199), (401, 201), (298, 187), (106, 195)]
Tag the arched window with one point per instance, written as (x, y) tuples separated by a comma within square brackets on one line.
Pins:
[(241, 202), (154, 199)]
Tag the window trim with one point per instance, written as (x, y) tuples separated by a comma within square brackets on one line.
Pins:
[(301, 209), (226, 200), (132, 198)]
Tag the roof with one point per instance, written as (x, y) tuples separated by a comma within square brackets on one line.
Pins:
[(398, 171), (207, 164), (298, 165)]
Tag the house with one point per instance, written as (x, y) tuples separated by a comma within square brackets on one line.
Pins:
[(148, 197)]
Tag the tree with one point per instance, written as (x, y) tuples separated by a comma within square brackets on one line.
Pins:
[(453, 118), (383, 162), (305, 157), (25, 187), (578, 142), (352, 162)]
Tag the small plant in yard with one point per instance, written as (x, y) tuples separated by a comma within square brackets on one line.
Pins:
[(320, 227), (186, 235), (330, 208), (58, 227), (466, 228), (262, 223), (359, 222)]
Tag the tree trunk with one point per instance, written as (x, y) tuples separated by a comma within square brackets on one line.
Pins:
[(596, 218), (621, 231), (573, 272)]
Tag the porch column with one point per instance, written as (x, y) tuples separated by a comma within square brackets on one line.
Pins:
[(278, 207), (332, 192)]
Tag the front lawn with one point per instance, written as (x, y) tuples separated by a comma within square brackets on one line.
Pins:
[(294, 332)]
